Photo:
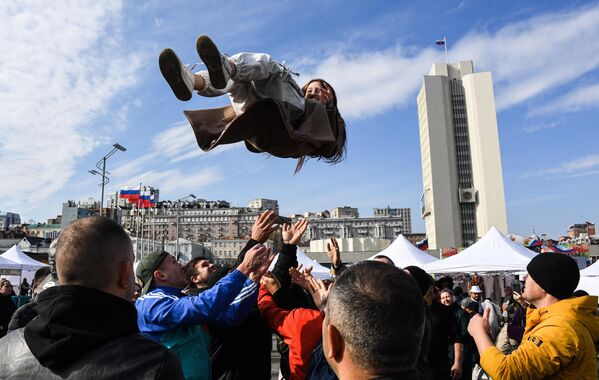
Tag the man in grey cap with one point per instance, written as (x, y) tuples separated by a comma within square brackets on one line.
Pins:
[(561, 330), (178, 321)]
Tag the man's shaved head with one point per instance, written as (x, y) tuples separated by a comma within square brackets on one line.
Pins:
[(91, 251), (378, 310)]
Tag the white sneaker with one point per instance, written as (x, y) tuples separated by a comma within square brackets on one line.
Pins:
[(177, 75), (217, 64)]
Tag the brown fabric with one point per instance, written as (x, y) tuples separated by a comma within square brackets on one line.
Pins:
[(271, 127)]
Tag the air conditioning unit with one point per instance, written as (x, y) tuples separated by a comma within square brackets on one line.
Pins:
[(467, 195)]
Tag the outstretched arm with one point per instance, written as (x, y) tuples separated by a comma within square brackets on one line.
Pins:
[(292, 235), (337, 267), (262, 228)]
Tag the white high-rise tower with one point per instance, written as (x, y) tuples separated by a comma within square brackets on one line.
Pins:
[(461, 163)]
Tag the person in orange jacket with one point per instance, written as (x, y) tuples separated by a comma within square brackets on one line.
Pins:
[(561, 330)]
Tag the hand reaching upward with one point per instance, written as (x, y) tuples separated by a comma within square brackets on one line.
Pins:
[(333, 252), (254, 259), (319, 292), (263, 226), (293, 234), (270, 283), (262, 268), (301, 278)]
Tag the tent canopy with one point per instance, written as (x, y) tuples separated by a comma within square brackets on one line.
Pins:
[(590, 284), (403, 253), (7, 264), (591, 270), (318, 271), (15, 254), (492, 253)]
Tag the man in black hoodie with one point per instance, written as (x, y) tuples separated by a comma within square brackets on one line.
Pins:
[(87, 326)]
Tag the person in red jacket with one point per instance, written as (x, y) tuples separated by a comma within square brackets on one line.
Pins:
[(301, 328)]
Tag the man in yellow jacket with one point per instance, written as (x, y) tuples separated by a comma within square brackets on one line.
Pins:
[(560, 335)]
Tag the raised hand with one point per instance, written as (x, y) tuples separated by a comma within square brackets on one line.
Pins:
[(270, 282), (333, 252), (293, 234), (319, 292), (479, 324), (257, 273), (263, 226), (518, 298), (301, 278), (253, 259)]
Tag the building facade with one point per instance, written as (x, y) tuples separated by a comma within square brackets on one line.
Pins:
[(462, 177), (8, 219), (387, 227), (72, 211), (44, 230), (265, 204), (581, 229), (199, 221), (344, 212)]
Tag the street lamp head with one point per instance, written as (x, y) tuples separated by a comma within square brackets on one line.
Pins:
[(193, 196), (119, 147)]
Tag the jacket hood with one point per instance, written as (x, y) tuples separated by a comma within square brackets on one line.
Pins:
[(75, 320), (582, 309)]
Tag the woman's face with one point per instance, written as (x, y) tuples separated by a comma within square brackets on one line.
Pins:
[(6, 288), (446, 298), (319, 92)]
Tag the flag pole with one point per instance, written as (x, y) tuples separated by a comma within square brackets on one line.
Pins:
[(445, 46)]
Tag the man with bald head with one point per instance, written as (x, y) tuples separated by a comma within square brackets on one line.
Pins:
[(87, 327)]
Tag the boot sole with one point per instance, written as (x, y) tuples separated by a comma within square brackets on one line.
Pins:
[(211, 57), (170, 67)]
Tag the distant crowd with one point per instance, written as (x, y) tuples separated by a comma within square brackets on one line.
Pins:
[(92, 316)]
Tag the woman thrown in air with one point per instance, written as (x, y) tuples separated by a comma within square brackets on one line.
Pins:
[(268, 110)]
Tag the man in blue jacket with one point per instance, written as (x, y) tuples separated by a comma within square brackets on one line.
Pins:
[(180, 322)]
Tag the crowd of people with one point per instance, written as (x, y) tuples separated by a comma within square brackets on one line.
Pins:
[(91, 316)]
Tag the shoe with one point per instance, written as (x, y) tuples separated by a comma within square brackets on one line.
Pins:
[(177, 75), (217, 64)]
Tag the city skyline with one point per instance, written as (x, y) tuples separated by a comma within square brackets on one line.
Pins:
[(100, 85)]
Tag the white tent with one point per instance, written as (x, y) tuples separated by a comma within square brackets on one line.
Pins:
[(590, 284), (318, 271), (7, 264), (15, 254), (403, 253), (589, 279), (591, 270), (492, 253), (27, 265)]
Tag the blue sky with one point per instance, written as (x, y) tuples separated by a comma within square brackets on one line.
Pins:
[(77, 76)]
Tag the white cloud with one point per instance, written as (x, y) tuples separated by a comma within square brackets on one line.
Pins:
[(174, 182), (170, 146), (575, 100), (370, 83), (530, 57), (579, 167), (62, 64), (526, 58), (538, 127)]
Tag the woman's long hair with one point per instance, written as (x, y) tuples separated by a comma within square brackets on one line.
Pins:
[(341, 138)]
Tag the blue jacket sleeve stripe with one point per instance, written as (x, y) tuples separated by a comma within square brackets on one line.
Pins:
[(159, 312)]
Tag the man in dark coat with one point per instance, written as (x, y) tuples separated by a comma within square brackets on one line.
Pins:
[(268, 109), (87, 326)]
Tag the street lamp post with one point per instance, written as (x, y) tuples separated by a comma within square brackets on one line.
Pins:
[(177, 223), (105, 179)]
